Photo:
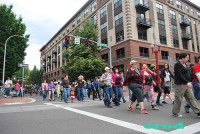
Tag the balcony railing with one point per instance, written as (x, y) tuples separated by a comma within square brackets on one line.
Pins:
[(54, 60), (144, 22), (186, 36), (142, 6), (54, 52), (184, 22)]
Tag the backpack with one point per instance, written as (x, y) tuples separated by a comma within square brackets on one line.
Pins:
[(117, 82)]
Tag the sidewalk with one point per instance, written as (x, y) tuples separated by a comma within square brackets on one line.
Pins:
[(16, 100)]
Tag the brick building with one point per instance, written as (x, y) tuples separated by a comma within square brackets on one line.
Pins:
[(128, 26)]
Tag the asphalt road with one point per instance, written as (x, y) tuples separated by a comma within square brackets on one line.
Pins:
[(89, 117)]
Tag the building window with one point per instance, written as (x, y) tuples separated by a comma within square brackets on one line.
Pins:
[(187, 9), (86, 13), (181, 18), (144, 52), (73, 23), (120, 36), (120, 53), (104, 28), (117, 3), (103, 12), (94, 6), (118, 19), (164, 54), (192, 12), (161, 24), (170, 2), (58, 49), (177, 56), (94, 19), (142, 34), (68, 30), (58, 73), (104, 41), (174, 29), (172, 14), (185, 45), (163, 39), (105, 57), (176, 43), (159, 8), (79, 19), (198, 14), (179, 4)]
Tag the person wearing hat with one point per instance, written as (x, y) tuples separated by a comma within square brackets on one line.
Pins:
[(133, 80), (106, 78)]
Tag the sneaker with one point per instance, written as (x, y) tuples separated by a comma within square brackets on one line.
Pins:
[(159, 104), (109, 106), (186, 109), (124, 100), (138, 107), (130, 108), (178, 115), (164, 102), (155, 108), (144, 111)]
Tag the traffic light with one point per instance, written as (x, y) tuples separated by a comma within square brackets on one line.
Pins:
[(87, 42), (66, 42)]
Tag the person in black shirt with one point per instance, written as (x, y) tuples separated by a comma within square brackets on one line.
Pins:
[(183, 87)]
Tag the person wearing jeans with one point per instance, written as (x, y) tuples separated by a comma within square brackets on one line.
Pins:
[(66, 89), (80, 90), (106, 78), (8, 85), (44, 89)]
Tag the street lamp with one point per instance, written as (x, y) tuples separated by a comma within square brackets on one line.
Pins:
[(4, 60), (156, 49)]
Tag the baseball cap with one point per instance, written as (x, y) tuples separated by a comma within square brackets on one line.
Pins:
[(107, 68)]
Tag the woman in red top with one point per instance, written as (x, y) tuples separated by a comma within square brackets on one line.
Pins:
[(148, 84), (17, 88)]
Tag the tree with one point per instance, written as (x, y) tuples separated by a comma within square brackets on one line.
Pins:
[(10, 25), (35, 76), (81, 59)]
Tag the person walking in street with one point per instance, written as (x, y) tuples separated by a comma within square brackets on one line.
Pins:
[(58, 89), (166, 76), (121, 74), (183, 87), (133, 80), (117, 84), (45, 88), (195, 72), (106, 78), (66, 88), (8, 86), (156, 87), (52, 89), (80, 88), (148, 84), (97, 89)]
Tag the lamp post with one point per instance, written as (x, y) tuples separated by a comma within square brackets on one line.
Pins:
[(4, 60), (156, 49)]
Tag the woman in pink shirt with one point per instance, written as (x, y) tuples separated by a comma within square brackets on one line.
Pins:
[(17, 88)]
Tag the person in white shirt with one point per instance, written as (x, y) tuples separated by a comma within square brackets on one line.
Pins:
[(8, 86)]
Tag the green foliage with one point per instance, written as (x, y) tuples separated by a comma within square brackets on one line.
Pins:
[(10, 25), (35, 76), (81, 59)]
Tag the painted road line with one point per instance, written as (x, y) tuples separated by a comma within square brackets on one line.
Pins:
[(191, 129), (125, 124)]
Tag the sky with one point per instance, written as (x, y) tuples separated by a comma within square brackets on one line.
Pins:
[(43, 18)]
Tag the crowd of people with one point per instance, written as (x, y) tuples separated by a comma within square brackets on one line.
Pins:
[(141, 84)]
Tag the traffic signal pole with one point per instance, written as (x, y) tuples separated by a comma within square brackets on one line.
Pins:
[(98, 44)]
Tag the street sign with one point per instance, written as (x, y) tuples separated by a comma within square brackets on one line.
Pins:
[(102, 45), (23, 65), (77, 40)]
